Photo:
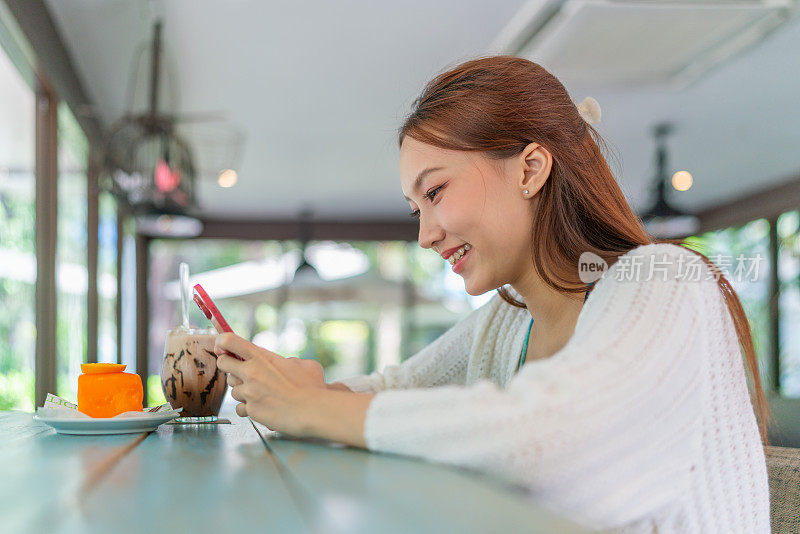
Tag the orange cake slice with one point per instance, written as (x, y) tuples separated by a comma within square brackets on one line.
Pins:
[(105, 391)]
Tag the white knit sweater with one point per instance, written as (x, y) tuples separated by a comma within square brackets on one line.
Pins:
[(641, 423)]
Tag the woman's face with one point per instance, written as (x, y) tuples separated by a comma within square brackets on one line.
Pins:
[(465, 198)]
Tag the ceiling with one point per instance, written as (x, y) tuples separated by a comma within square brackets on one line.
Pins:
[(319, 89)]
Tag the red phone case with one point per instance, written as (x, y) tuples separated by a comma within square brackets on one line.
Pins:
[(210, 309), (212, 313)]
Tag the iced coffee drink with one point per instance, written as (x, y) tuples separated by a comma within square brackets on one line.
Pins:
[(189, 375)]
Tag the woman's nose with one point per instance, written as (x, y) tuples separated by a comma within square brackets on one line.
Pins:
[(429, 233)]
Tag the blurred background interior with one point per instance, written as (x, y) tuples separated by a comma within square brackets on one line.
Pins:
[(256, 141)]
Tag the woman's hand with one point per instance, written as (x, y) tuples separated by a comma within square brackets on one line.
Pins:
[(289, 394), (271, 389)]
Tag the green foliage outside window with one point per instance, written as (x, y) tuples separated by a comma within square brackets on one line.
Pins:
[(749, 242)]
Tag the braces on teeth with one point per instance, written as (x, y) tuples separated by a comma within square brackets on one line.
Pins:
[(458, 254)]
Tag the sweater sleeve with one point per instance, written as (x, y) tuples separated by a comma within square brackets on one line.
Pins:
[(442, 362), (605, 431)]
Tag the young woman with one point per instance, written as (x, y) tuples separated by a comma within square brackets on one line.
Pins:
[(623, 404)]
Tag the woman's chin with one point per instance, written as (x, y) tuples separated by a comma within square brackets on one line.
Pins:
[(476, 289)]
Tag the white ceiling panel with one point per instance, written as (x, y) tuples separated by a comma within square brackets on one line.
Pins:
[(319, 89)]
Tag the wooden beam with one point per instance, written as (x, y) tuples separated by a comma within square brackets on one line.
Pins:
[(92, 249), (763, 203), (118, 301), (46, 235), (142, 310), (53, 61), (334, 230), (772, 378)]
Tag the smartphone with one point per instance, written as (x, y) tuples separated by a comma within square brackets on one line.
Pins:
[(211, 311)]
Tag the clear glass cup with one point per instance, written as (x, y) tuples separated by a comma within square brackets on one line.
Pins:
[(189, 375)]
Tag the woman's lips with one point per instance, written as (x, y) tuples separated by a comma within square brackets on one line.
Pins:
[(459, 265)]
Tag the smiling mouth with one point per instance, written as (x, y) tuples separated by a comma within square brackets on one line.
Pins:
[(460, 253)]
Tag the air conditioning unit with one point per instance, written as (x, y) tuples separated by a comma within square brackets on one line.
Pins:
[(624, 43)]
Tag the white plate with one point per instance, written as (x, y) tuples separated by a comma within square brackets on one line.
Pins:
[(112, 425)]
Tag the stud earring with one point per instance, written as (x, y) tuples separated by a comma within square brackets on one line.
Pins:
[(526, 191)]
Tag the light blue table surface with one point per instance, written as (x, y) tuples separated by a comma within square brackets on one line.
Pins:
[(239, 478)]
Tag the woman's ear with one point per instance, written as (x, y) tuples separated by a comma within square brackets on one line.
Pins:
[(535, 162)]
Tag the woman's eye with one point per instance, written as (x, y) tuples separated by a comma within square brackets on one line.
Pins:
[(430, 195), (433, 192)]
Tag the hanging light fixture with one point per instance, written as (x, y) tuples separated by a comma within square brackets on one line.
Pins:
[(662, 219), (305, 274), (150, 168)]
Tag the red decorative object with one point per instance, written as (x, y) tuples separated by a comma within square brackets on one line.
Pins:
[(166, 179)]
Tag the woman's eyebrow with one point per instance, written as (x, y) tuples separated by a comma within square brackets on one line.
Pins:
[(421, 176)]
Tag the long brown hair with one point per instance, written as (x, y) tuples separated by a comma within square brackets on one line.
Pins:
[(498, 105)]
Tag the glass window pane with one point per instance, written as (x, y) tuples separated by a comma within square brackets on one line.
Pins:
[(17, 239), (211, 261), (742, 253), (789, 303), (71, 273), (373, 303), (107, 280)]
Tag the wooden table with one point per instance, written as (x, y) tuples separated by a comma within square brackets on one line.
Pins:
[(239, 478)]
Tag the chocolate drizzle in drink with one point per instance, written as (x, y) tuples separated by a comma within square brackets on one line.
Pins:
[(189, 360)]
